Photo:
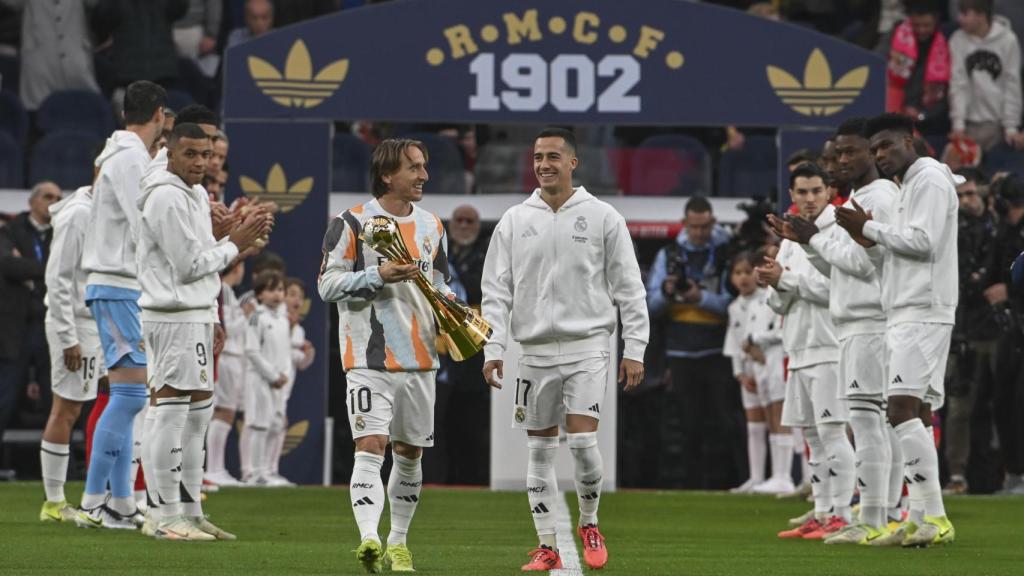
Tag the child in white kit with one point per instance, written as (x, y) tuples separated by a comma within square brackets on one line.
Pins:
[(754, 342)]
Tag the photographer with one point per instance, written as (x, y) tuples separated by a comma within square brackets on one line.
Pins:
[(1009, 382), (687, 290), (972, 359)]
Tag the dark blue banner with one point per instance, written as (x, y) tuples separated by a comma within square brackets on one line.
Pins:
[(289, 163), (558, 61)]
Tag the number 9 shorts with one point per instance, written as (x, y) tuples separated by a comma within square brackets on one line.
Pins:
[(180, 355)]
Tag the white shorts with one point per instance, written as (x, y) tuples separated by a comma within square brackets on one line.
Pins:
[(918, 353), (813, 397), (395, 404), (230, 382), (771, 378), (862, 360), (262, 404), (180, 355), (545, 394), (78, 386)]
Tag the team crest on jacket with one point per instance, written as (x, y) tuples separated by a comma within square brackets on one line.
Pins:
[(581, 224), (428, 247)]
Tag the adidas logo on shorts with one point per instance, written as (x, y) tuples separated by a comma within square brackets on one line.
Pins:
[(826, 413), (854, 385), (595, 408), (897, 380)]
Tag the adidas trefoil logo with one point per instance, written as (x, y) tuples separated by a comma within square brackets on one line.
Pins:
[(287, 197), (298, 87), (817, 95)]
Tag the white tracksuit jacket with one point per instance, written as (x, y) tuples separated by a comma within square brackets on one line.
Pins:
[(65, 279), (560, 276), (920, 281), (109, 255), (801, 297), (855, 273), (178, 257)]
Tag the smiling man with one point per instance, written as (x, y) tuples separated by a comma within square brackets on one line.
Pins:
[(387, 334), (559, 267)]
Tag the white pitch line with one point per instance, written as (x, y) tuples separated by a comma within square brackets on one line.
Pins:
[(566, 541)]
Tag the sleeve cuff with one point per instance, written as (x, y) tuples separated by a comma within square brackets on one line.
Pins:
[(871, 230), (815, 245), (786, 282), (373, 277), (634, 349), (493, 351)]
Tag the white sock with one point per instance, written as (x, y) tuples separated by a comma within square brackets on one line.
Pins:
[(257, 451), (874, 457), (367, 494), (138, 428), (782, 455), (819, 476), (168, 435), (148, 427), (194, 455), (840, 467), (404, 487), (756, 449), (542, 485), (54, 461), (922, 463), (588, 474), (216, 443), (245, 452), (275, 443), (896, 472)]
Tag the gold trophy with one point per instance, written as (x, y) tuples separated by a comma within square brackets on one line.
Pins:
[(463, 329)]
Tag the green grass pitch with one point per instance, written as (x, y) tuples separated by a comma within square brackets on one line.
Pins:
[(471, 532)]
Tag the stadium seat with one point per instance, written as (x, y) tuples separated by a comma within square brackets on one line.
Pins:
[(13, 117), (751, 171), (596, 171), (351, 167), (76, 110), (11, 162), (176, 99), (500, 168), (446, 169), (669, 164), (66, 157), (10, 71)]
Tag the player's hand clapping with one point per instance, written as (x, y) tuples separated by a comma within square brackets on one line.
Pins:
[(256, 225), (223, 220)]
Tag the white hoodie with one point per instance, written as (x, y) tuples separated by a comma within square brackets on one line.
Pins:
[(109, 256), (855, 294), (268, 344), (561, 275), (65, 280), (802, 298), (234, 322), (179, 259), (985, 83), (920, 281)]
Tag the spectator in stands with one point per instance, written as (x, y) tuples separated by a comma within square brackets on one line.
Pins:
[(56, 51), (688, 287), (195, 35), (972, 357), (24, 248), (470, 397), (920, 69), (292, 11), (1008, 395), (259, 19), (985, 91), (143, 46)]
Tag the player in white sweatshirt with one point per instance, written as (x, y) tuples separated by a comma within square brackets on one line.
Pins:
[(179, 264), (112, 294), (920, 288), (559, 267), (813, 398), (76, 359), (855, 303), (754, 342)]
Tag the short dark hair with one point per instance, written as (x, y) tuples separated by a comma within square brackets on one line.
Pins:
[(293, 281), (267, 280), (185, 130), (985, 7), (890, 121), (921, 7), (197, 114), (853, 127), (697, 205), (387, 159), (808, 170), (742, 256), (556, 132), (923, 148), (141, 101), (268, 260), (972, 174), (802, 155)]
